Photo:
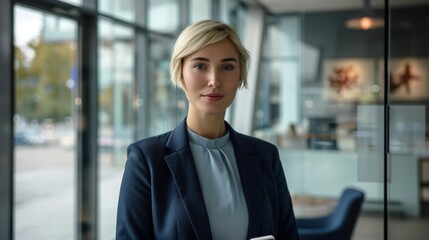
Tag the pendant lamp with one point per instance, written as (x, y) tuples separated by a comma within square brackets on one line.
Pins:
[(365, 19)]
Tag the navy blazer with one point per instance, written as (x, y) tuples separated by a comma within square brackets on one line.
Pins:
[(161, 197)]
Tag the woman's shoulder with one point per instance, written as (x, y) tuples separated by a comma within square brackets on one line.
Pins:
[(152, 142), (255, 141), (250, 140)]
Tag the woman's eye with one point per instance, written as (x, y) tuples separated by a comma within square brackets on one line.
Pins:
[(200, 66), (228, 67)]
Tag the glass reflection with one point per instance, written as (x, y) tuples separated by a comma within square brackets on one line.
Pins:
[(46, 98)]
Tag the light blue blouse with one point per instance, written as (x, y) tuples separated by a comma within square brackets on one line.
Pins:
[(221, 186)]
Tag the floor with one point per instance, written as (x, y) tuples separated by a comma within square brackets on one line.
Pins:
[(370, 228)]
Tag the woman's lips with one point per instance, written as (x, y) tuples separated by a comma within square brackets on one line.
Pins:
[(212, 97)]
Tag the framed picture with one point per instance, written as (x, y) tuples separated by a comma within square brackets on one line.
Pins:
[(348, 79), (408, 79)]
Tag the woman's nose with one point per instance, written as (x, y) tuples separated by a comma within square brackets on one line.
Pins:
[(214, 80)]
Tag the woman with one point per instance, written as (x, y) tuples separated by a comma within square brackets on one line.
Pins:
[(203, 180)]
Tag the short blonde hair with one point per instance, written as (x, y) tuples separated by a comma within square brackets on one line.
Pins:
[(199, 35)]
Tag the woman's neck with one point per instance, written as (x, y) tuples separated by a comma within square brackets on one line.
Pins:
[(208, 126)]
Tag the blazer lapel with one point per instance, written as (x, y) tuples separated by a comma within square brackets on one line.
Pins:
[(249, 169), (182, 167)]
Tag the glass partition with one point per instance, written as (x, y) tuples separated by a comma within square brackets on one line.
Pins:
[(320, 87), (407, 90), (346, 113), (45, 120)]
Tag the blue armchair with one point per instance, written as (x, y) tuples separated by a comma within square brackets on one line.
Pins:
[(337, 225)]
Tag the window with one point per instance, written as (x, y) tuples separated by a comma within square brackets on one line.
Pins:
[(124, 9), (167, 104), (163, 15), (46, 98), (116, 116)]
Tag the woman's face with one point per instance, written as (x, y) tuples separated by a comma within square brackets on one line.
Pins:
[(211, 78)]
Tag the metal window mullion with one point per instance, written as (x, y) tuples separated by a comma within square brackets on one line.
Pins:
[(184, 10), (6, 122), (215, 9), (386, 119), (142, 92), (87, 162), (140, 68)]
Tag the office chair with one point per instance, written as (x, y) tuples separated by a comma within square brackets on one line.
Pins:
[(337, 225)]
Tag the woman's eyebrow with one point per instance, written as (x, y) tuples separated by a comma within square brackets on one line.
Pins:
[(200, 59), (208, 60), (229, 60)]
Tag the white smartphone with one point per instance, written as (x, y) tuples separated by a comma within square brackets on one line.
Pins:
[(268, 237)]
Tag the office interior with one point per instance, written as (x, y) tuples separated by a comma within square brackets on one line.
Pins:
[(344, 99)]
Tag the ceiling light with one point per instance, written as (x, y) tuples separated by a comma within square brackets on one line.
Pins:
[(365, 19)]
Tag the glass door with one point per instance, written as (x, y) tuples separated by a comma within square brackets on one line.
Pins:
[(408, 94), (46, 101)]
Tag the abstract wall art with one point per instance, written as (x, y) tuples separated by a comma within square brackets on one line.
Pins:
[(408, 79), (348, 79)]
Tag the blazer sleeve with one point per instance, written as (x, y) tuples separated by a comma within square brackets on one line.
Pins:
[(134, 218), (287, 228)]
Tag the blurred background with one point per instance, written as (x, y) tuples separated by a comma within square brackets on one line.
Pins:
[(340, 86)]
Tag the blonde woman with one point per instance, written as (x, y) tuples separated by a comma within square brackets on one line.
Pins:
[(203, 180)]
